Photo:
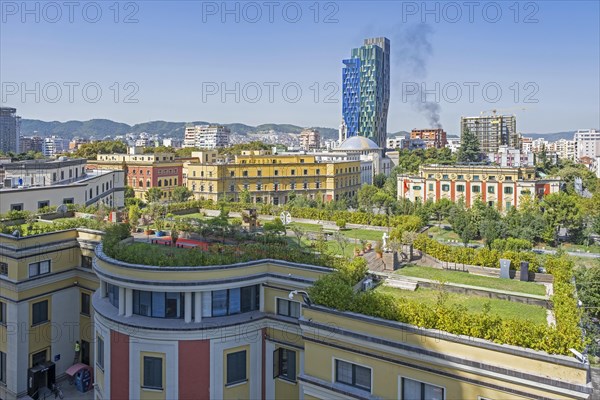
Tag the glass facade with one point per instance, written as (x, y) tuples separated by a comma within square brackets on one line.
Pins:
[(366, 90)]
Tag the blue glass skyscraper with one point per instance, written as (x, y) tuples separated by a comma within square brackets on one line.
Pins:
[(366, 90)]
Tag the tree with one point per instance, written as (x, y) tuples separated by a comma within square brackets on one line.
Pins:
[(469, 150), (245, 196), (442, 208), (91, 150), (299, 233), (275, 227), (153, 195), (341, 241), (562, 210), (365, 197), (588, 288), (461, 222), (181, 194), (134, 215), (129, 193), (379, 180)]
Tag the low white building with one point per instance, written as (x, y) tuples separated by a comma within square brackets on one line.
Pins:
[(587, 142), (206, 136), (31, 185), (511, 157)]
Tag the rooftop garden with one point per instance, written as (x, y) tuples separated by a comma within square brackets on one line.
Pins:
[(465, 278), (498, 323)]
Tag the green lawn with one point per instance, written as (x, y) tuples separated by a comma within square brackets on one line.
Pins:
[(194, 216), (361, 234), (446, 234), (306, 227), (502, 308), (465, 278)]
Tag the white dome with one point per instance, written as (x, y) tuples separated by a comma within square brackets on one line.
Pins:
[(358, 143)]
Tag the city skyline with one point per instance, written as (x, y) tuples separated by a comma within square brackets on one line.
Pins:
[(518, 57)]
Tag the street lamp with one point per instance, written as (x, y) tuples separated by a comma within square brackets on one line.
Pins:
[(304, 296)]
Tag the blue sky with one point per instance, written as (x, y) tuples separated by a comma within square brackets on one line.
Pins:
[(544, 57)]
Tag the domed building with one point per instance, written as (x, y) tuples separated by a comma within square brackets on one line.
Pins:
[(373, 160)]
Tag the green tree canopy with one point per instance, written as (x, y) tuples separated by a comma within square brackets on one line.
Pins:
[(469, 150)]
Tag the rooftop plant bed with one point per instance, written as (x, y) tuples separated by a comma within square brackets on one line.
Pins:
[(36, 228), (465, 278), (217, 254), (472, 304)]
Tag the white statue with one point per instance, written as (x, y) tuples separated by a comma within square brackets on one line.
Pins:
[(385, 237)]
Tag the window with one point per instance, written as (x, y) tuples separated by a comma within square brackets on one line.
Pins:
[(415, 390), (16, 207), (245, 173), (416, 187), (232, 188), (288, 308), (305, 172), (258, 186), (3, 268), (431, 186), (284, 364), (460, 188), (460, 177), (492, 178), (2, 313), (353, 375), (305, 185), (293, 172), (476, 189), (39, 268), (445, 188), (70, 200), (509, 178), (276, 172), (318, 171), (235, 301), (508, 190), (2, 367), (231, 173), (491, 189), (475, 177), (153, 375), (259, 173), (86, 262), (445, 177), (100, 352), (39, 358), (236, 367), (85, 304), (112, 292), (43, 203), (158, 304), (39, 312)]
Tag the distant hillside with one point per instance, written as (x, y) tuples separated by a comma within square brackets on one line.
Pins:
[(103, 127)]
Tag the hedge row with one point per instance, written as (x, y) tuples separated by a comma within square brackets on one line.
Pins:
[(482, 256), (351, 217)]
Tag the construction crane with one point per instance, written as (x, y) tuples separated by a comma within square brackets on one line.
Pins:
[(496, 110)]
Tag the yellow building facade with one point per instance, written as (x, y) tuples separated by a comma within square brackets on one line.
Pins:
[(270, 178)]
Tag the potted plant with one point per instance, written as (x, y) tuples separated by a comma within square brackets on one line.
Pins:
[(356, 251), (159, 225), (363, 245), (369, 246), (379, 249)]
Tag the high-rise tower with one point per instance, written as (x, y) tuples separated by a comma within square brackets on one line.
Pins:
[(9, 129), (366, 90)]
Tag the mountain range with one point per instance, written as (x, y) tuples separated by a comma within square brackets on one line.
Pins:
[(100, 128)]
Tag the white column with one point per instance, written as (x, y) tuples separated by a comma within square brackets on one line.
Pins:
[(102, 289), (198, 307), (128, 302), (188, 307), (121, 300)]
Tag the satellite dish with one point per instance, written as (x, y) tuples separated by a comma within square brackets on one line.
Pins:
[(16, 233), (62, 209)]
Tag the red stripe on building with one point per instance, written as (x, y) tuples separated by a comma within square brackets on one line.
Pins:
[(437, 189), (119, 366), (194, 369), (453, 190), (483, 191), (468, 190), (500, 188)]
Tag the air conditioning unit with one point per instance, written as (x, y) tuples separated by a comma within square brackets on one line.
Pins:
[(367, 284)]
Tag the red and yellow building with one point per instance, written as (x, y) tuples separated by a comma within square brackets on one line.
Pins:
[(145, 171), (501, 187)]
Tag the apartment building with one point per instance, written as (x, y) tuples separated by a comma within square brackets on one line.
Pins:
[(31, 185), (46, 286), (33, 143), (270, 178), (145, 171), (310, 139), (587, 142), (10, 124), (510, 157), (54, 145), (433, 138), (247, 331), (500, 187), (206, 136), (492, 131)]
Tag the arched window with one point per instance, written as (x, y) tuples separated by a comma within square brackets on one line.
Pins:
[(148, 183), (141, 184), (159, 183), (170, 182)]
